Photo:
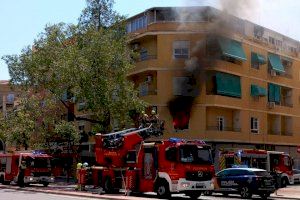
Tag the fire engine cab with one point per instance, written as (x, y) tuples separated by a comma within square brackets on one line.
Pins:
[(127, 161), (38, 168), (272, 161)]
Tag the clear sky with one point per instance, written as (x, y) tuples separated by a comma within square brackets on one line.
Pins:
[(22, 20)]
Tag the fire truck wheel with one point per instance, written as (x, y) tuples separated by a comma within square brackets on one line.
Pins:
[(207, 193), (108, 186), (284, 182), (162, 189), (2, 179), (194, 195), (45, 184)]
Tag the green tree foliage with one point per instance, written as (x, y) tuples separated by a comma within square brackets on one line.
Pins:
[(90, 61)]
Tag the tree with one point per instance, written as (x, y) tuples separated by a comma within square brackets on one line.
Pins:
[(90, 61), (31, 119)]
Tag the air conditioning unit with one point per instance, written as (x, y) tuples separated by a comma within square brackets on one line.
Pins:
[(273, 73), (148, 79), (271, 105)]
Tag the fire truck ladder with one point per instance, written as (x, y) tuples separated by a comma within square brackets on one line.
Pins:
[(115, 139)]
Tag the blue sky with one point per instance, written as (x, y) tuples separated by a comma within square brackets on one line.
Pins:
[(22, 21)]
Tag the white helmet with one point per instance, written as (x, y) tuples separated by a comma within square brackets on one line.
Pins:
[(85, 164)]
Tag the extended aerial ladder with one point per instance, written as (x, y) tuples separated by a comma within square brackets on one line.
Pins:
[(114, 148)]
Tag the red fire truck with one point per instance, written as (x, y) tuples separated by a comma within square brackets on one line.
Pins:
[(128, 161), (272, 161), (38, 168)]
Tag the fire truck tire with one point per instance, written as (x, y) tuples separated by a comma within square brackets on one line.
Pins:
[(162, 189), (108, 188), (284, 182), (2, 179), (194, 195), (207, 193), (45, 184)]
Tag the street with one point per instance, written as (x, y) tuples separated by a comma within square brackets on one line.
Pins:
[(32, 193), (15, 194)]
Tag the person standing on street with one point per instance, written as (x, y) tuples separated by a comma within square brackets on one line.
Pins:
[(21, 174)]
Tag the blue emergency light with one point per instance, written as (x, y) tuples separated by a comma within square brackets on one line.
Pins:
[(175, 140)]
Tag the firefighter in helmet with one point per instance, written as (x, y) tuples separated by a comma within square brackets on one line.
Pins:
[(144, 120), (78, 168), (153, 117)]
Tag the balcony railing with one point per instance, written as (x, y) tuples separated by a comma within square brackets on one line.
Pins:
[(146, 57), (217, 128)]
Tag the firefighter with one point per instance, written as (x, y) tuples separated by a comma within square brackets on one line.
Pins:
[(21, 174), (153, 117), (84, 176), (78, 168), (144, 120)]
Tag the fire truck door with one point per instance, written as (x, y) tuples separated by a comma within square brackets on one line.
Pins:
[(150, 164), (8, 165)]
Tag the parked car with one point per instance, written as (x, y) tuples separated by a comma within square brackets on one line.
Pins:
[(296, 175), (245, 181)]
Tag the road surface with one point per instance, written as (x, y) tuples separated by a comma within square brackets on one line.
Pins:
[(15, 194)]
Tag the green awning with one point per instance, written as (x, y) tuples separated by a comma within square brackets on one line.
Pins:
[(258, 58), (274, 93), (228, 85), (258, 91), (275, 63), (232, 48)]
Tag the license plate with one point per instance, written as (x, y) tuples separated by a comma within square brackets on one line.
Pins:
[(199, 185)]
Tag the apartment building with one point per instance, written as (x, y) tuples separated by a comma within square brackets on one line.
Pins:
[(8, 100), (219, 78)]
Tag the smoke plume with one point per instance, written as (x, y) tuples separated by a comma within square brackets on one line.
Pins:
[(221, 22)]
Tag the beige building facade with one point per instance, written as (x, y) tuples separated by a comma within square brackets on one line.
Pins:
[(234, 83)]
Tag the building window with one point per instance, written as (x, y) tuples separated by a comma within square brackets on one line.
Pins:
[(137, 24), (271, 40), (10, 98), (257, 60), (221, 123), (181, 49), (254, 125)]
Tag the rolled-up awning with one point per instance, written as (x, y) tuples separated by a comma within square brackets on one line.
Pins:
[(258, 58), (232, 48), (275, 63), (228, 85), (257, 91)]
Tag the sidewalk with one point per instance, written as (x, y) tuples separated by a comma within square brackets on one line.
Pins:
[(290, 192), (69, 190)]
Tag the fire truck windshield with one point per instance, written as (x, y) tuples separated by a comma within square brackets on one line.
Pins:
[(195, 154), (38, 162)]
